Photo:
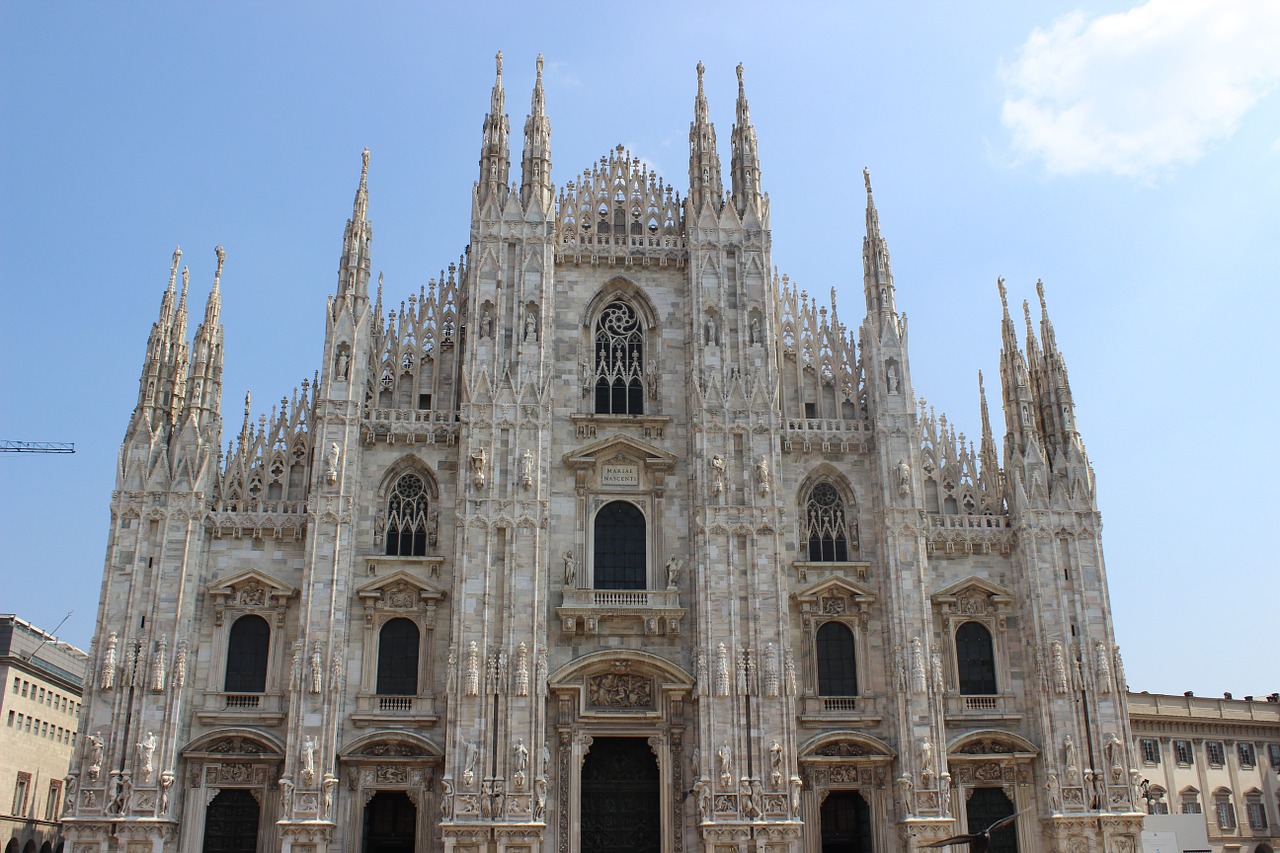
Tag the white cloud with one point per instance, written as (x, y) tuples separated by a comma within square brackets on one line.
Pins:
[(1140, 92)]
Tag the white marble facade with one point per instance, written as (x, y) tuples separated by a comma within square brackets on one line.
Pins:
[(649, 546)]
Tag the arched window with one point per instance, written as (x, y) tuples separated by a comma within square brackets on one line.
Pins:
[(825, 528), (837, 670), (975, 660), (619, 361), (620, 558), (407, 519), (398, 658), (247, 655)]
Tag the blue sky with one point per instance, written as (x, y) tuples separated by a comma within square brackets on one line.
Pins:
[(1128, 155)]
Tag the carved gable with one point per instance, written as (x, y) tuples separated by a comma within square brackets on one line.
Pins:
[(973, 596)]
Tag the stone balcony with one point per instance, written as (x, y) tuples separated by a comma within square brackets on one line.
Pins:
[(847, 710), (375, 710), (229, 709), (976, 708), (621, 611)]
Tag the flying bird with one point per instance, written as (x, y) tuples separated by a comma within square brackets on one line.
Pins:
[(979, 842)]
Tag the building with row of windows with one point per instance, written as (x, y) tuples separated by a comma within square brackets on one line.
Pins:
[(1214, 760), (42, 679), (609, 539)]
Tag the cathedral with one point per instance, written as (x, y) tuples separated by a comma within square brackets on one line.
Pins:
[(607, 539)]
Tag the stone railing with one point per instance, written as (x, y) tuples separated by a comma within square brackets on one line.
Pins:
[(410, 426), (646, 248), (827, 434), (621, 598)]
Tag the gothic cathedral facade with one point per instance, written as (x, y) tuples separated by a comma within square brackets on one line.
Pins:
[(608, 539)]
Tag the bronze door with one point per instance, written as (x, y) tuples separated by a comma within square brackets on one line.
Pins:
[(231, 823), (621, 809), (846, 823)]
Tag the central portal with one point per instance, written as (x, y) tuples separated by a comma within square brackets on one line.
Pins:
[(389, 821), (621, 805)]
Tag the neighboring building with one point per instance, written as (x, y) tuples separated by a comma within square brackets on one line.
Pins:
[(39, 719), (608, 539), (1219, 758)]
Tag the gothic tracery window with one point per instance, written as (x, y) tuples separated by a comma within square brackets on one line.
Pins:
[(619, 361), (825, 526), (407, 518)]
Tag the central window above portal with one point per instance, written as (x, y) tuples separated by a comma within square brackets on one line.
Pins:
[(620, 552)]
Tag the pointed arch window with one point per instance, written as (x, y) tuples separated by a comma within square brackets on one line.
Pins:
[(975, 660), (620, 547), (837, 668), (398, 644), (407, 517), (825, 527), (619, 361), (247, 650)]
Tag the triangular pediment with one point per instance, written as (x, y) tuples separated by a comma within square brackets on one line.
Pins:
[(399, 590), (605, 449), (251, 588), (833, 587), (974, 587)]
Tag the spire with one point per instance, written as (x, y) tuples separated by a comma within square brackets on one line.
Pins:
[(180, 350), (495, 156), (353, 267), (987, 451), (155, 385), (1059, 407), (876, 272), (705, 184), (204, 381), (1020, 413), (535, 167), (744, 164)]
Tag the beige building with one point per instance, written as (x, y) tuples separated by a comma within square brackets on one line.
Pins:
[(1216, 759), (40, 710), (609, 538)]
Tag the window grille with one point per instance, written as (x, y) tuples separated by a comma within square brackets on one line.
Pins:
[(247, 655), (837, 669), (620, 547), (398, 658), (975, 659)]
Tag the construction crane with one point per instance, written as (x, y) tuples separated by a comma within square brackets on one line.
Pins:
[(37, 447)]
